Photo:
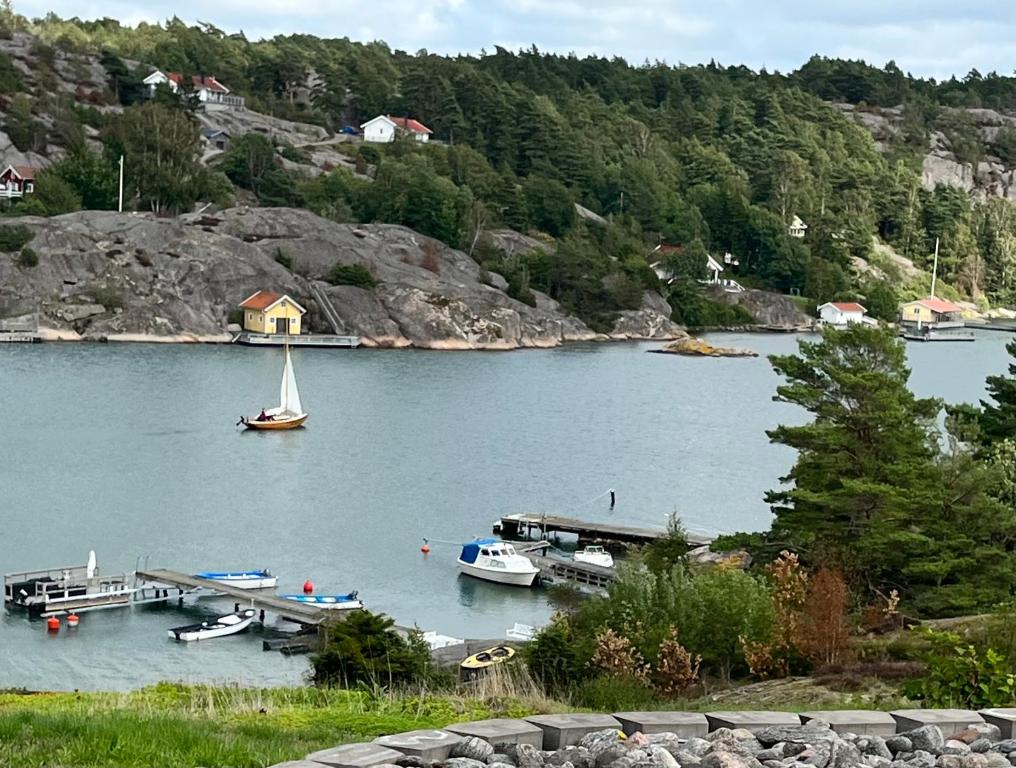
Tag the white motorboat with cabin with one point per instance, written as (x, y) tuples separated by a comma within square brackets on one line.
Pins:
[(594, 555), (497, 561), (254, 579), (69, 589), (227, 624)]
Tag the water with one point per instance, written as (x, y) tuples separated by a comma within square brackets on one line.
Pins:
[(131, 450)]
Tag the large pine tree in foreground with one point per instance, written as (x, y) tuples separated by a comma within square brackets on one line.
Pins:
[(998, 418), (872, 491)]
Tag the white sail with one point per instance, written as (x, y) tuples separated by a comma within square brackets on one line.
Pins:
[(289, 396)]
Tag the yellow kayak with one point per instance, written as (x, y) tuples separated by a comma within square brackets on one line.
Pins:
[(488, 657)]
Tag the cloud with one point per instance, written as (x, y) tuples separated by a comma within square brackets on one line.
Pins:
[(928, 37)]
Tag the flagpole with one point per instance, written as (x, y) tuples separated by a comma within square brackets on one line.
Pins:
[(120, 203)]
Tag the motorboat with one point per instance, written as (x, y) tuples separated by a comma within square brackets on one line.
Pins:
[(67, 589), (290, 413), (594, 555), (328, 602), (497, 561), (436, 640), (521, 632), (227, 624), (256, 579), (475, 665)]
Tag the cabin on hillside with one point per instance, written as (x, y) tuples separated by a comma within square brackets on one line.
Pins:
[(210, 92), (216, 138), (383, 129), (933, 313), (17, 181), (840, 314), (797, 228), (173, 80), (271, 313)]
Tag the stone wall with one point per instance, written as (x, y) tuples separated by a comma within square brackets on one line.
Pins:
[(912, 738)]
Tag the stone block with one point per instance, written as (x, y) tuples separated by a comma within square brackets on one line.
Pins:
[(350, 756), (566, 730), (751, 721), (686, 725), (1004, 718), (501, 729), (296, 764), (427, 745), (859, 721), (948, 720)]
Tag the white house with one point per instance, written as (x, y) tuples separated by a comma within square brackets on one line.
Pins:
[(212, 93), (383, 128), (157, 78), (797, 228), (840, 314)]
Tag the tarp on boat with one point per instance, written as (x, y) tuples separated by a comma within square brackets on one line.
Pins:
[(471, 550)]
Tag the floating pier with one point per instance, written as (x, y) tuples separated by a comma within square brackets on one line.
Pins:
[(299, 340), (521, 526), (23, 329)]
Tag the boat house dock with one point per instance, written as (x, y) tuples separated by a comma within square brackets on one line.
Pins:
[(160, 582), (522, 525)]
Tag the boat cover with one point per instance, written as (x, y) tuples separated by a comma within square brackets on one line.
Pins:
[(471, 550)]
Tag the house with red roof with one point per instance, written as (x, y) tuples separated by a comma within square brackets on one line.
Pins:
[(17, 181), (210, 92), (933, 313), (173, 80), (269, 312), (840, 314), (383, 129)]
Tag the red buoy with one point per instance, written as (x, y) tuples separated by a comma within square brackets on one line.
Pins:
[(53, 624), (308, 587), (426, 547), (72, 620)]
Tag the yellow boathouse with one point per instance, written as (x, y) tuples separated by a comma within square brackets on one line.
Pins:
[(268, 312)]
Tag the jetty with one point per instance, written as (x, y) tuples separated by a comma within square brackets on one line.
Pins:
[(159, 584), (521, 525), (324, 340), (23, 329)]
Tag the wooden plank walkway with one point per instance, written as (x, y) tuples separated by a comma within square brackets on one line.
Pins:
[(519, 525), (289, 609)]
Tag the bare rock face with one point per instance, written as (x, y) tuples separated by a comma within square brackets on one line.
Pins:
[(768, 309), (650, 321)]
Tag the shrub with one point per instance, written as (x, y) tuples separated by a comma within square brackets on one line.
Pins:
[(369, 154), (28, 258), (13, 237), (352, 274), (283, 258), (964, 676), (552, 655), (615, 693), (676, 669), (664, 553), (822, 637), (363, 649), (616, 656)]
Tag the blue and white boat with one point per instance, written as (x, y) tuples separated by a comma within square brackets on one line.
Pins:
[(497, 561), (328, 602), (257, 579)]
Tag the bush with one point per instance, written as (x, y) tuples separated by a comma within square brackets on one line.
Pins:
[(664, 553), (352, 274), (552, 656), (28, 258), (363, 649), (961, 675), (14, 236), (283, 258)]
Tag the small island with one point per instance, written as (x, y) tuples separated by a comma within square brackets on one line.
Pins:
[(694, 347)]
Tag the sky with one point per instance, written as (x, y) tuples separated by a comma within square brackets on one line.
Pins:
[(932, 38)]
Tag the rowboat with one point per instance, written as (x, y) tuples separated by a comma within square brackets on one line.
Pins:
[(480, 662), (227, 624), (328, 602), (497, 561), (289, 414), (256, 579)]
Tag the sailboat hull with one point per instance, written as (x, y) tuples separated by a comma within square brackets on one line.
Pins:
[(277, 423)]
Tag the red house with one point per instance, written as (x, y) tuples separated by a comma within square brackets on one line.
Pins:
[(17, 181)]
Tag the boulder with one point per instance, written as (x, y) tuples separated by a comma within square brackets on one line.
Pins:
[(928, 738), (598, 742), (463, 762), (472, 747), (498, 757), (694, 347), (521, 755), (898, 744), (579, 757), (809, 733), (723, 759)]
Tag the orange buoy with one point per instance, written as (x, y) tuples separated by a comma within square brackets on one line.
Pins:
[(425, 548), (53, 624), (72, 620), (308, 587)]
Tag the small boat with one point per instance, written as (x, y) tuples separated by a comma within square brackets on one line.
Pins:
[(75, 588), (290, 413), (228, 624), (257, 579), (523, 632), (475, 665), (435, 640), (328, 602), (595, 556), (497, 561)]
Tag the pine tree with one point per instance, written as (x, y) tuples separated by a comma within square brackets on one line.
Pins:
[(998, 419)]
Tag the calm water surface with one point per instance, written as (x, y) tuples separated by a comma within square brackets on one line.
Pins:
[(131, 450)]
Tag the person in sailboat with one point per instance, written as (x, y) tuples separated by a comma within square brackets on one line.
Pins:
[(264, 416)]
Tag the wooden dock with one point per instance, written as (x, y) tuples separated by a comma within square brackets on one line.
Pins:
[(521, 525), (300, 340), (301, 613)]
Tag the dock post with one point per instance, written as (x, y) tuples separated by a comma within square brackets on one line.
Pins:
[(261, 618), (236, 607)]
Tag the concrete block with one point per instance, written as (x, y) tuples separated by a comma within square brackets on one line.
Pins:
[(566, 730), (351, 756), (859, 721), (493, 731), (752, 721), (686, 725), (948, 720), (426, 744), (1004, 718)]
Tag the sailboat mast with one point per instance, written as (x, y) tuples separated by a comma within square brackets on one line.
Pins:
[(934, 271)]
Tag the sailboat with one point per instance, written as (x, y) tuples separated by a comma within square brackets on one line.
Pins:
[(289, 414)]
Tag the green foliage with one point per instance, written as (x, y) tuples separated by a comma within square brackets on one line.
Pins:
[(881, 301), (998, 417), (668, 551), (362, 649), (10, 76), (963, 675), (14, 236), (352, 274), (552, 657), (91, 177), (28, 258), (24, 131), (692, 307)]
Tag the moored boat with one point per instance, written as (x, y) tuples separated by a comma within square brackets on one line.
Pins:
[(328, 602), (497, 561), (595, 555), (255, 579), (290, 413), (76, 588), (480, 662), (227, 624)]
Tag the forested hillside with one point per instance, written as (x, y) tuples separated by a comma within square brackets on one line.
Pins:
[(716, 159)]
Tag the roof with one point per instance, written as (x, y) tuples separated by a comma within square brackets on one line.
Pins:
[(939, 306), (210, 133), (176, 77), (21, 171), (410, 124), (797, 223), (713, 264), (662, 248), (844, 306), (208, 82), (265, 300), (385, 118)]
